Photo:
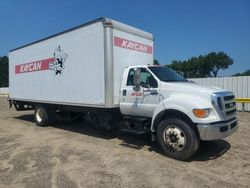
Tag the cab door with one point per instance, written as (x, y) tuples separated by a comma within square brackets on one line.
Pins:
[(142, 102)]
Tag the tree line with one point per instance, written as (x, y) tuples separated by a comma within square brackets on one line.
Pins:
[(4, 71), (245, 73), (202, 66)]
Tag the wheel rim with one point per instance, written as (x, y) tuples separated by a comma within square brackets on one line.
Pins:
[(174, 138), (39, 115)]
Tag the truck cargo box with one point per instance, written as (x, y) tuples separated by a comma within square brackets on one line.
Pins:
[(82, 66)]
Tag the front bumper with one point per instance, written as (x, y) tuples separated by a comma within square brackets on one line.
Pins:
[(218, 130)]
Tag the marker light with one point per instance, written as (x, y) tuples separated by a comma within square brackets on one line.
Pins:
[(201, 113)]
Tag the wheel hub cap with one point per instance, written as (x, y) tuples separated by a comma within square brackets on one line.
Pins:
[(174, 138), (39, 115)]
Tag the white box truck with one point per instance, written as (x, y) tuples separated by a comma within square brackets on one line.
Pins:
[(104, 68)]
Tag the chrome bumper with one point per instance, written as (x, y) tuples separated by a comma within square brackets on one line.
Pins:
[(218, 130)]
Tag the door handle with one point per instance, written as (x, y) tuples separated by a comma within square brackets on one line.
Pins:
[(124, 92), (154, 92)]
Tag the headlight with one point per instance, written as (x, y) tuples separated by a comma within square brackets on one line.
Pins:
[(201, 113)]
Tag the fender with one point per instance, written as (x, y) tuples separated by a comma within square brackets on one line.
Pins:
[(183, 104)]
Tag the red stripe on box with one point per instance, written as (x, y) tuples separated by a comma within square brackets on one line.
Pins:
[(136, 46), (40, 65)]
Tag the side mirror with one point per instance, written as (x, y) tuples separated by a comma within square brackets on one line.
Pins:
[(137, 79)]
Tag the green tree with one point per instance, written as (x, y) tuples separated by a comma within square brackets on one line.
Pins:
[(4, 71), (176, 65), (191, 68), (203, 65), (245, 73), (217, 61), (156, 62)]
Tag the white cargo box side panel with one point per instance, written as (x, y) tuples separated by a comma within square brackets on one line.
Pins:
[(66, 69), (129, 50)]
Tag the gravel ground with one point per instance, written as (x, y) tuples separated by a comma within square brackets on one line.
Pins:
[(76, 154)]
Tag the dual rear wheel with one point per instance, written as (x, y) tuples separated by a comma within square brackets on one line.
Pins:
[(44, 115)]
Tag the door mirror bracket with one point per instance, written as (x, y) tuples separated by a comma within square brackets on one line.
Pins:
[(137, 79)]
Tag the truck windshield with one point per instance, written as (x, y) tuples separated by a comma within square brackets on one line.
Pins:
[(167, 75)]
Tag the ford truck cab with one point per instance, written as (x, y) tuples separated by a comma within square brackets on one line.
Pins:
[(181, 112)]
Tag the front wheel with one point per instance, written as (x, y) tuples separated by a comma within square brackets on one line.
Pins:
[(177, 139)]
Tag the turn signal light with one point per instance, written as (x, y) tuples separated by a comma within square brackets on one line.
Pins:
[(201, 113)]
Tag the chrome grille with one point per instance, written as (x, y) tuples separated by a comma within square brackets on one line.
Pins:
[(225, 105), (229, 105)]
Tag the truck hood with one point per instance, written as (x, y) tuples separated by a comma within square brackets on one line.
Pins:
[(189, 88)]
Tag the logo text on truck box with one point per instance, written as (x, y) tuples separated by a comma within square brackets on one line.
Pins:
[(34, 66), (124, 43), (55, 63)]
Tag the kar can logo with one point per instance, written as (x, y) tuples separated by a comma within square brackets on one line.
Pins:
[(132, 45), (55, 63)]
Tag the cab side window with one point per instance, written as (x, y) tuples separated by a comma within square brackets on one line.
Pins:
[(146, 78)]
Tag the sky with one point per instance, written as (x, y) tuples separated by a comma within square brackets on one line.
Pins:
[(182, 29)]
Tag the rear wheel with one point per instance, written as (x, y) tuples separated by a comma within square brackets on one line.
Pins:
[(177, 139), (44, 115)]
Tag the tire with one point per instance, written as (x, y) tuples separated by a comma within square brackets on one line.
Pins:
[(177, 139), (44, 115)]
